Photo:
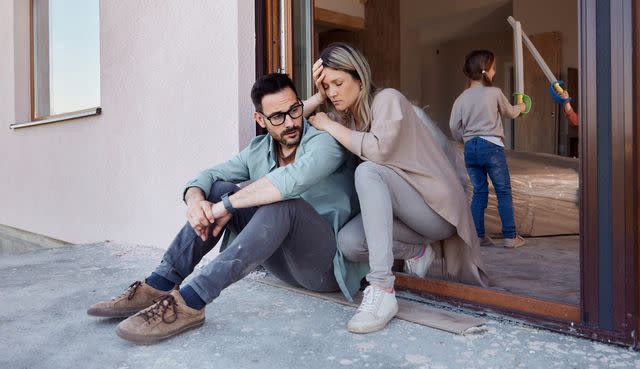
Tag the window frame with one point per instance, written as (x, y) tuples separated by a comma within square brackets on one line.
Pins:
[(49, 118)]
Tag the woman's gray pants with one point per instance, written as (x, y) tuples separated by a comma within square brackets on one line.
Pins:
[(289, 238), (395, 222)]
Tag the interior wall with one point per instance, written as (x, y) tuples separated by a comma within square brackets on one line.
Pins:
[(552, 15), (442, 77), (431, 70), (435, 37), (175, 97), (561, 16), (411, 54)]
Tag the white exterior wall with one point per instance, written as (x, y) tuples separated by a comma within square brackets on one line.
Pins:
[(175, 83)]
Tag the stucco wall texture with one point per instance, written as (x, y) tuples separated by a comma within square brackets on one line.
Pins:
[(175, 81)]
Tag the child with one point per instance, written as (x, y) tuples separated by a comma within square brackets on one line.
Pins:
[(571, 115), (476, 119)]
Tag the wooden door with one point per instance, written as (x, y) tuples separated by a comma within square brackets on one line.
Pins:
[(538, 130), (379, 40)]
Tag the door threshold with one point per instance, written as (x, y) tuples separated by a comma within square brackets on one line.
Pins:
[(500, 300)]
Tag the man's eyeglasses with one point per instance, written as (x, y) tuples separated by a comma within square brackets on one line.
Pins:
[(278, 118)]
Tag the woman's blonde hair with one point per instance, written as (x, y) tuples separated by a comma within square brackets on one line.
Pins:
[(342, 56)]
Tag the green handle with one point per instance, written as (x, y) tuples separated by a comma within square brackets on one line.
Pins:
[(528, 103)]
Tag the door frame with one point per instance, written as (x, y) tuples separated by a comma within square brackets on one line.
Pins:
[(609, 251)]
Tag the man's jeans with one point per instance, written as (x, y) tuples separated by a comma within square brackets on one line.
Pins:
[(481, 157), (289, 238)]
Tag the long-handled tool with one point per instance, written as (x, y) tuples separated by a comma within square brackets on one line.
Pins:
[(556, 86), (518, 61)]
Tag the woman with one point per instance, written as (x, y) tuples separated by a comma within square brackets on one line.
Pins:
[(409, 193)]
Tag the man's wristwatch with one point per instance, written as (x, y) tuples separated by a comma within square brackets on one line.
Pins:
[(227, 203)]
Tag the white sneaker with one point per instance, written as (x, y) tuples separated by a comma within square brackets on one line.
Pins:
[(419, 265), (378, 307)]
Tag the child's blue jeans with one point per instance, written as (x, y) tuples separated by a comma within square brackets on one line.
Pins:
[(482, 157)]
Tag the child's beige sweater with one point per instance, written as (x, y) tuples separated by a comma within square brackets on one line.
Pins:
[(478, 111)]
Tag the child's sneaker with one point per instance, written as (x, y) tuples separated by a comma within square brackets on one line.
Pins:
[(512, 243), (486, 241)]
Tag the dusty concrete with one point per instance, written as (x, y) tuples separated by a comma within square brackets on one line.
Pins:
[(43, 324)]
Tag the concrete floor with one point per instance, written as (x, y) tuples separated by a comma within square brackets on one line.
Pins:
[(547, 268), (43, 324)]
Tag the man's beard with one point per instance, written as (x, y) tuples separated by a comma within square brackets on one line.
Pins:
[(290, 142)]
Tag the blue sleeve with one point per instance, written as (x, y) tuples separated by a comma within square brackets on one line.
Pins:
[(323, 155)]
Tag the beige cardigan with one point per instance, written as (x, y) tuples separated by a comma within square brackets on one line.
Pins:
[(399, 140)]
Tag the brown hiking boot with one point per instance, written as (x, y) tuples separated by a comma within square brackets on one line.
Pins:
[(166, 318), (138, 296)]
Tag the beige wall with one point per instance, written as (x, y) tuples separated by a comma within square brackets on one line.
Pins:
[(552, 15), (536, 17), (7, 77), (442, 77), (21, 59), (435, 37), (175, 80), (434, 42)]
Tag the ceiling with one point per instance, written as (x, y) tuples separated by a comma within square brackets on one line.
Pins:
[(437, 21)]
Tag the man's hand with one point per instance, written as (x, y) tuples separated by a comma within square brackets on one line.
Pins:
[(222, 217), (199, 213), (200, 217)]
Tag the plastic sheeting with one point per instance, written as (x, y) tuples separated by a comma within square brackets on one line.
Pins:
[(545, 189), (545, 192)]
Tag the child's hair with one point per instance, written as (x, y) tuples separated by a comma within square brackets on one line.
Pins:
[(476, 65)]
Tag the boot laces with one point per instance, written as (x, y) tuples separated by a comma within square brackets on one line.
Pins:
[(160, 308), (130, 291)]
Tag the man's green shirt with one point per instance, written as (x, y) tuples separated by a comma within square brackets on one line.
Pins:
[(322, 175)]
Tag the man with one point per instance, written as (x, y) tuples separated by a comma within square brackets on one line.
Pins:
[(286, 220)]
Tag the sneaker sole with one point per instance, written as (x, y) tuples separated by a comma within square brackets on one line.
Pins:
[(107, 313), (515, 246), (372, 328), (145, 340)]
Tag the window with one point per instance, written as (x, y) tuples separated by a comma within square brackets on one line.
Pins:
[(66, 57)]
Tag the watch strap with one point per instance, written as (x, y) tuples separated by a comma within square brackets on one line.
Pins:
[(227, 203)]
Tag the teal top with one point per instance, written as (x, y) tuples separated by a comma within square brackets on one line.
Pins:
[(322, 175)]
